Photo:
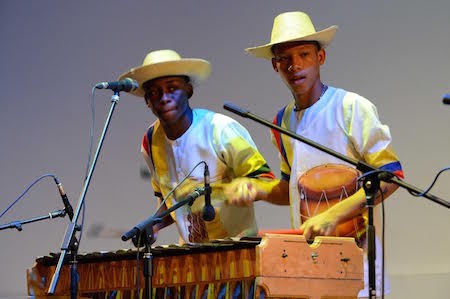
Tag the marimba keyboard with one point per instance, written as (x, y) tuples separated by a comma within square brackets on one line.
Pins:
[(274, 266)]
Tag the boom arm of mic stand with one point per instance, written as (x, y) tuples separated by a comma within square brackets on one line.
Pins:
[(71, 228), (362, 166), (245, 113), (157, 217), (18, 223)]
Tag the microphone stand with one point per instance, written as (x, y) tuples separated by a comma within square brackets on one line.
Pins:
[(144, 231), (371, 184), (69, 242), (147, 236), (18, 224)]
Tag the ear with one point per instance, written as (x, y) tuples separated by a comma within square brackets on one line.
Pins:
[(150, 106), (189, 90), (274, 65), (321, 56)]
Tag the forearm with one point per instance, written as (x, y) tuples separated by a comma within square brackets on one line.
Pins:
[(357, 203), (244, 191), (274, 191), (165, 221)]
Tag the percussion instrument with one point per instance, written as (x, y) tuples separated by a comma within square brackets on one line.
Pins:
[(274, 266), (326, 185)]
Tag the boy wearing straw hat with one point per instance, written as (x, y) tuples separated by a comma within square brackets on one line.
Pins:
[(182, 137), (335, 118)]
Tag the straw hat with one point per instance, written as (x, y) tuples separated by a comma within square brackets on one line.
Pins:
[(290, 27), (163, 63)]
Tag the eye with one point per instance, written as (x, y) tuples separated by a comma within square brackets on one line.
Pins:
[(151, 94), (174, 86), (281, 59)]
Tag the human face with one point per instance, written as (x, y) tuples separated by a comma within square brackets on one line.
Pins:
[(168, 99), (298, 64)]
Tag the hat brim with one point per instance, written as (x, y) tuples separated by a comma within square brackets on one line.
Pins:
[(323, 37), (196, 69)]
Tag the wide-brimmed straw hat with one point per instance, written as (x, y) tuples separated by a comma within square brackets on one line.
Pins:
[(162, 63), (293, 26)]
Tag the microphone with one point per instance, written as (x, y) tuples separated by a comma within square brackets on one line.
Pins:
[(446, 99), (157, 218), (67, 207), (208, 212), (231, 107), (126, 84)]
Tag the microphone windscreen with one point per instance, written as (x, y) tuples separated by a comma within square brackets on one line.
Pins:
[(446, 99)]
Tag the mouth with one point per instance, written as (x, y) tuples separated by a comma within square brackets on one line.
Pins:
[(165, 112), (297, 79)]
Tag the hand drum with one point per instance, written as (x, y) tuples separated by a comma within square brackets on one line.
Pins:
[(324, 186)]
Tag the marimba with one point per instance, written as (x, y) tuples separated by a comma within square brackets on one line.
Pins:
[(274, 266)]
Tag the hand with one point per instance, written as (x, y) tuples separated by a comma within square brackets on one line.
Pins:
[(323, 224), (240, 192)]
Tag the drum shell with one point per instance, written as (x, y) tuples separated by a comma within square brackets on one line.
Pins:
[(324, 186)]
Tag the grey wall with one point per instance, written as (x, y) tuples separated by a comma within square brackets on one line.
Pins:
[(51, 54)]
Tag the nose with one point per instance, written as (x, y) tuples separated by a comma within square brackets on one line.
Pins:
[(294, 68), (165, 97), (295, 65)]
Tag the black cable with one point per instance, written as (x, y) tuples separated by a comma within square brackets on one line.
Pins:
[(137, 267), (383, 226), (431, 186), (25, 192), (387, 174), (138, 245), (88, 164), (163, 201)]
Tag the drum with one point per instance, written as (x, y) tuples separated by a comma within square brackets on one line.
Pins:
[(324, 186)]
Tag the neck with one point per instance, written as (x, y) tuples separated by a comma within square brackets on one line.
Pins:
[(307, 99)]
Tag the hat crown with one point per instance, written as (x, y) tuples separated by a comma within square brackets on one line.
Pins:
[(291, 25), (161, 56)]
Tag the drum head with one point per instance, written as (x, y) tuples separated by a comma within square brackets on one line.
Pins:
[(329, 179)]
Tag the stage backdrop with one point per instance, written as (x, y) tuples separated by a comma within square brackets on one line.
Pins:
[(395, 53)]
